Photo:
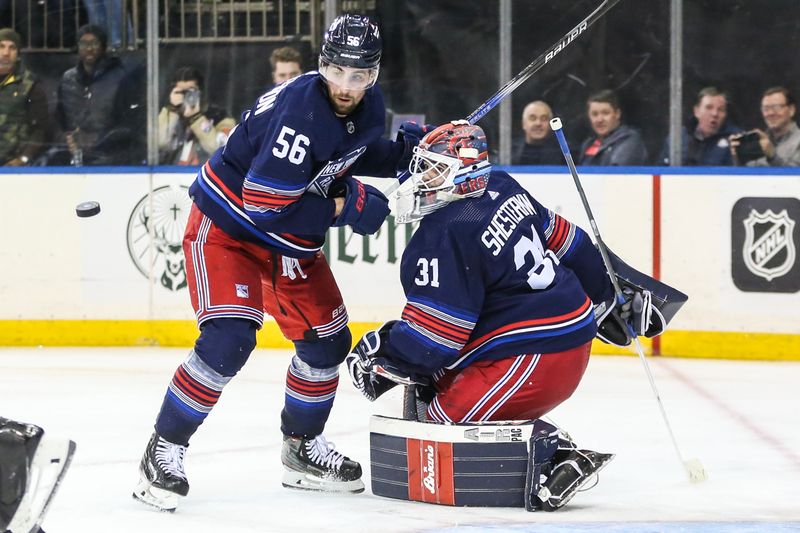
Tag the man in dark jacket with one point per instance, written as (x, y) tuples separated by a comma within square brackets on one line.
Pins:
[(24, 122), (612, 142), (94, 101), (539, 146), (707, 144)]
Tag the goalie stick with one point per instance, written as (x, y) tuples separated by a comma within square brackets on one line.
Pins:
[(694, 468), (526, 73)]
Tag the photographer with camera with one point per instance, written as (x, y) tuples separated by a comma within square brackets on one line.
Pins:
[(190, 129), (779, 146)]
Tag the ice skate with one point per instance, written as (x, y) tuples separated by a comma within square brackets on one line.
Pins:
[(313, 464), (163, 479), (573, 471), (32, 466)]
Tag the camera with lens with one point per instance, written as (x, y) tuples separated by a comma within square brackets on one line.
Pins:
[(191, 98), (749, 148)]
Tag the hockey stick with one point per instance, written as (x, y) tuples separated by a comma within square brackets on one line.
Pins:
[(526, 73), (694, 468), (541, 61)]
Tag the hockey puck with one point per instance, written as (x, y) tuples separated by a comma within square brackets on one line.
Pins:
[(87, 209)]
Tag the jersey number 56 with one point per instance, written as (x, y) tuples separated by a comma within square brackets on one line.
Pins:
[(295, 149)]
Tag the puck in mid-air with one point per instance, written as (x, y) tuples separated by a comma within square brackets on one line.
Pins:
[(87, 209)]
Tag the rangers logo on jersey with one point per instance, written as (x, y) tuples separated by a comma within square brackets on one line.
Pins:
[(768, 250)]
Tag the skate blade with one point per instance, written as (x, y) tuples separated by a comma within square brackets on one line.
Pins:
[(49, 465), (159, 499), (300, 481)]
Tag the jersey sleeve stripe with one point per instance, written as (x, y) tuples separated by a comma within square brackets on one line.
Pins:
[(456, 316), (436, 326), (221, 195), (260, 199), (212, 176), (430, 338), (562, 236), (560, 230), (270, 184)]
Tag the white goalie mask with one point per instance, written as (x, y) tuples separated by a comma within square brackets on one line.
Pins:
[(450, 163)]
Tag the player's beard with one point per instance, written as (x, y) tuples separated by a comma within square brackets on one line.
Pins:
[(344, 102)]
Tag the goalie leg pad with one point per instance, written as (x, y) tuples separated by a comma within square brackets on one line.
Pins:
[(543, 447), (479, 465)]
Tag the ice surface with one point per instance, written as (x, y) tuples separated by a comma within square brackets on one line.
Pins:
[(739, 418)]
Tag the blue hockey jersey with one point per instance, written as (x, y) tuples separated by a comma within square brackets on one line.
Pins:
[(493, 277), (269, 183)]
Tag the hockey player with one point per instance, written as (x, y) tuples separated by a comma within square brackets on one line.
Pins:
[(500, 297), (31, 469), (262, 207)]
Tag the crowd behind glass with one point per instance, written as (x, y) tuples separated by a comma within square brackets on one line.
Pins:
[(97, 116)]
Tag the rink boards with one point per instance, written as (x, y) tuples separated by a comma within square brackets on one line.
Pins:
[(727, 238)]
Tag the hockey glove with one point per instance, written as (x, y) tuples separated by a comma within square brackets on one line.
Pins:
[(616, 324), (410, 134), (411, 131), (365, 207), (370, 368)]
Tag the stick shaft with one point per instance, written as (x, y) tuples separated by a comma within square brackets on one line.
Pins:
[(562, 142), (526, 73), (540, 61)]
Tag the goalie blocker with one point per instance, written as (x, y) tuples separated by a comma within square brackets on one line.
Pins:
[(502, 464)]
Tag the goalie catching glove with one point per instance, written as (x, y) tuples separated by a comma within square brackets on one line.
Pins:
[(370, 368), (647, 308)]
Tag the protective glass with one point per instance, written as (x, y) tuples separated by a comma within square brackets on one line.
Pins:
[(348, 78)]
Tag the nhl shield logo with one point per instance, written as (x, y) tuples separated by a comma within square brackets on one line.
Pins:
[(768, 250)]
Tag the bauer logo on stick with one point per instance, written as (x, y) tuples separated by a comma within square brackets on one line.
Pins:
[(87, 209)]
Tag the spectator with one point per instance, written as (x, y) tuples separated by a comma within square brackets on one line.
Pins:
[(612, 143), (94, 105), (539, 147), (780, 144), (708, 143), (24, 122), (190, 129), (286, 63)]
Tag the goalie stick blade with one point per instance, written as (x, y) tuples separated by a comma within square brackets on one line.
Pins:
[(697, 473), (50, 463)]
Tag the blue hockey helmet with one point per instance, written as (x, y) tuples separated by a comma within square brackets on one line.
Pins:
[(353, 44), (450, 163)]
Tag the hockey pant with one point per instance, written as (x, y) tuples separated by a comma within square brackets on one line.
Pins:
[(524, 387), (232, 284)]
